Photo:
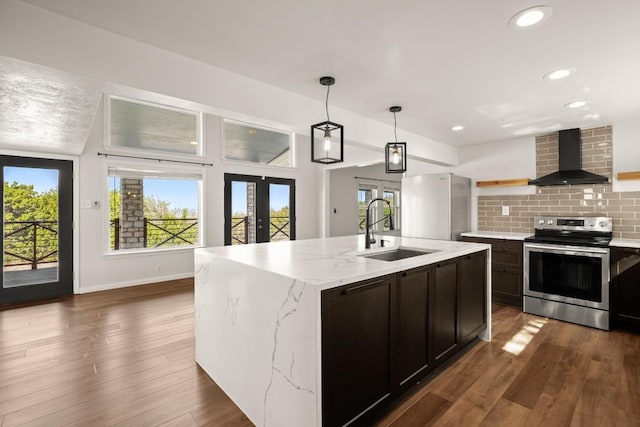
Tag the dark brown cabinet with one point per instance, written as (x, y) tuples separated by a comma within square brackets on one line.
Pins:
[(472, 296), (382, 336), (412, 326), (444, 311), (506, 270), (356, 348), (625, 288)]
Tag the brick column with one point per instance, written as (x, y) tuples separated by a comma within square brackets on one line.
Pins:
[(251, 211), (131, 213)]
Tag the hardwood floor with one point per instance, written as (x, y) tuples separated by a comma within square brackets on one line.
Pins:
[(126, 357), (122, 357), (535, 372)]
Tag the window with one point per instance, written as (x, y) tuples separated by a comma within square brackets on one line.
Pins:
[(392, 194), (153, 208), (366, 193), (380, 212), (248, 143), (144, 126)]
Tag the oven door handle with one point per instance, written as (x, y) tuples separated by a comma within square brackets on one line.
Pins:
[(567, 248)]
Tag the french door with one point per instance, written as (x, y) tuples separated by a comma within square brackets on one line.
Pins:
[(37, 226), (258, 209)]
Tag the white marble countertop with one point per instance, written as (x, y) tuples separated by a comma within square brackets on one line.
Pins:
[(496, 235), (331, 262), (625, 243)]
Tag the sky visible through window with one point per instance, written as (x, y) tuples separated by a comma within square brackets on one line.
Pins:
[(181, 193), (279, 197), (41, 179)]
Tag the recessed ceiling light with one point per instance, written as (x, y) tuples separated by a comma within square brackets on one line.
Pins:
[(559, 74), (576, 104), (193, 142), (530, 17), (457, 128), (252, 131)]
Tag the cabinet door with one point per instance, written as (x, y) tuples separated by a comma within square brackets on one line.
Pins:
[(443, 311), (412, 327), (472, 294), (356, 346), (625, 288)]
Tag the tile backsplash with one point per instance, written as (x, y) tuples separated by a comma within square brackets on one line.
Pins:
[(566, 200)]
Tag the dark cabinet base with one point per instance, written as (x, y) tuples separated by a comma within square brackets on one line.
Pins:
[(625, 289), (382, 336), (506, 270)]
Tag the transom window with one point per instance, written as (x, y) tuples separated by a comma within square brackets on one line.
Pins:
[(249, 143), (147, 127)]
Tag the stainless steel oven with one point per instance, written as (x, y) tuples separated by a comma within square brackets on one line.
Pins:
[(566, 270)]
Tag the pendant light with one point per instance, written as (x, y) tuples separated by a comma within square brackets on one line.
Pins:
[(395, 153), (327, 138)]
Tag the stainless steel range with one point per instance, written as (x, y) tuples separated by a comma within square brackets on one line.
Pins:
[(566, 270)]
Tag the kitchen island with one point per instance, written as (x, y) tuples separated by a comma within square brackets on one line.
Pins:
[(259, 313)]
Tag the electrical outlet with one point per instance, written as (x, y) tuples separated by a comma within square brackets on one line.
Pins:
[(158, 268), (505, 210)]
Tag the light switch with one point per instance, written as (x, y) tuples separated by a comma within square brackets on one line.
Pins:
[(85, 204), (505, 210)]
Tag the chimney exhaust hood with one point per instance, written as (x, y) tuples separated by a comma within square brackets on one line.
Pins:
[(570, 171)]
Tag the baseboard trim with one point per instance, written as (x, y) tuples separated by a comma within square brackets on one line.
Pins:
[(127, 284)]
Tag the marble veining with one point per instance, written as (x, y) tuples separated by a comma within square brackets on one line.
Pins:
[(288, 308)]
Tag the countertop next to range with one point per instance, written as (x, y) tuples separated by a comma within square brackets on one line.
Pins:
[(496, 235), (622, 243), (625, 243), (331, 262)]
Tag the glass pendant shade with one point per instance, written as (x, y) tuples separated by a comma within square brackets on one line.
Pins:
[(395, 157), (327, 143), (327, 138)]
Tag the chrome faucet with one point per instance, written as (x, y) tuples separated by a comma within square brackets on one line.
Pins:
[(368, 238)]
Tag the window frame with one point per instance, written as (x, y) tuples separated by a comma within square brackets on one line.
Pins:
[(146, 152), (395, 188), (170, 170), (292, 145), (379, 187)]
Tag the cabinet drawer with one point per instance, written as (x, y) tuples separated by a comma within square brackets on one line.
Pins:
[(500, 257), (507, 281)]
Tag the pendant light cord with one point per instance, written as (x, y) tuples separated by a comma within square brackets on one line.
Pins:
[(326, 103), (395, 126)]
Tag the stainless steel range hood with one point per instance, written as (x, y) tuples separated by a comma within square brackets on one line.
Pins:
[(570, 171)]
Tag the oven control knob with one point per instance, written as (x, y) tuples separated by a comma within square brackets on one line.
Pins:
[(541, 221), (602, 223), (550, 222)]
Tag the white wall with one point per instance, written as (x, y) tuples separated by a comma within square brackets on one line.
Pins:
[(99, 270)]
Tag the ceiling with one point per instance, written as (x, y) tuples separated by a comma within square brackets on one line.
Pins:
[(445, 62), (46, 110)]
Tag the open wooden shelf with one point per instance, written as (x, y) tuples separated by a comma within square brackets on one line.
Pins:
[(503, 183), (628, 176)]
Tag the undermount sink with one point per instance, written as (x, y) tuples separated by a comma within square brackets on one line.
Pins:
[(397, 254)]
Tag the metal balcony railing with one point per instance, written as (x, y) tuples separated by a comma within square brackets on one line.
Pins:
[(279, 229), (160, 232), (30, 243)]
